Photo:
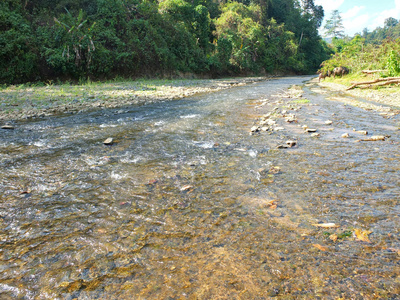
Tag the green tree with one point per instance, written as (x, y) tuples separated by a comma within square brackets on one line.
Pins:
[(334, 26), (391, 22)]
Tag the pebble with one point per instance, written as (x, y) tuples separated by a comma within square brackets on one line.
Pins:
[(364, 132), (7, 126), (279, 128), (316, 134), (108, 141), (311, 130), (255, 129), (328, 122), (345, 135), (291, 143)]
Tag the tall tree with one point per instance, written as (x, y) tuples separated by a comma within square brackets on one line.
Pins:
[(334, 26)]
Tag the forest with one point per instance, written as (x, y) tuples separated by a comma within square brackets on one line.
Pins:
[(76, 40)]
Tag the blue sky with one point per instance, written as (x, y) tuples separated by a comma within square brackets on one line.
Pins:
[(358, 14)]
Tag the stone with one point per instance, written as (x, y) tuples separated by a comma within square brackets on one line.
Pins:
[(108, 141), (279, 128), (345, 135), (328, 122), (311, 130), (255, 129), (7, 126), (315, 134), (291, 143)]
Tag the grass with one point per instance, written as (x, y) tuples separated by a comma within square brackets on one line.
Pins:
[(301, 101)]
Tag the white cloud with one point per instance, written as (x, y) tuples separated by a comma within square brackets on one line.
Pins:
[(352, 12), (330, 5), (357, 24), (379, 19)]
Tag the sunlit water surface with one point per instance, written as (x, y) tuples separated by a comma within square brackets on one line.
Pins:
[(186, 204)]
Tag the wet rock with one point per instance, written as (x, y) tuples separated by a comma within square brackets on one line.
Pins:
[(108, 141), (268, 122), (291, 143), (373, 138), (291, 120), (7, 126), (186, 188), (364, 132)]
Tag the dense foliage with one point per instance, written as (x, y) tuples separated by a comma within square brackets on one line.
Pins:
[(357, 55), (80, 39), (391, 30)]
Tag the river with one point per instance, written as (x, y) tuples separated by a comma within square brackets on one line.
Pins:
[(186, 204)]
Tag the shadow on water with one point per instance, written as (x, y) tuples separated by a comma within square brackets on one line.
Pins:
[(187, 204)]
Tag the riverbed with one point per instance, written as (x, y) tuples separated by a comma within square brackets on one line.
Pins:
[(276, 189)]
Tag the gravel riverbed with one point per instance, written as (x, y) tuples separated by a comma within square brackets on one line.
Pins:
[(27, 102)]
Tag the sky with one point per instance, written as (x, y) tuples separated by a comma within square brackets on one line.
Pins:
[(360, 14)]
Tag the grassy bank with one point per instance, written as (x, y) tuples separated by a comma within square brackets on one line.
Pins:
[(24, 101), (385, 95)]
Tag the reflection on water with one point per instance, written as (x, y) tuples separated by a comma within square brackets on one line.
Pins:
[(187, 204)]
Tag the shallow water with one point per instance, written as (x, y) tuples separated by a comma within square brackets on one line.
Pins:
[(186, 204)]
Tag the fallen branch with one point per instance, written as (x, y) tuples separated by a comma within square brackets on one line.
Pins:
[(386, 81), (372, 71)]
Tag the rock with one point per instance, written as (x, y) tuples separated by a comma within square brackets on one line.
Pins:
[(282, 146), (345, 135), (268, 122), (373, 138), (7, 126), (291, 143), (279, 128), (364, 132), (186, 188), (255, 129), (311, 130), (328, 122), (108, 141), (316, 134)]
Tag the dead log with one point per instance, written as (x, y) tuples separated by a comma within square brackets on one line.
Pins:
[(372, 71), (388, 80)]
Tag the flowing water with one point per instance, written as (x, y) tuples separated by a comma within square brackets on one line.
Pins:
[(186, 204)]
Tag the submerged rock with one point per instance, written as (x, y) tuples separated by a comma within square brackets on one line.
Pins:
[(108, 141), (291, 143)]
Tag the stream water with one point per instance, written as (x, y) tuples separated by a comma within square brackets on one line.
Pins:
[(186, 204)]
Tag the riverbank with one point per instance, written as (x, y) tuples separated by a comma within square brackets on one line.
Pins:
[(27, 102), (384, 100)]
